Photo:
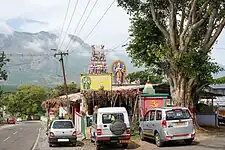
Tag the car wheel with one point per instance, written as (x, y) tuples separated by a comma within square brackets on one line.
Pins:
[(188, 141), (125, 145), (98, 146), (50, 145), (74, 144), (142, 135), (158, 140), (92, 141)]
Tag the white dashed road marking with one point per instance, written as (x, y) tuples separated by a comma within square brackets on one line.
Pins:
[(15, 132), (6, 139)]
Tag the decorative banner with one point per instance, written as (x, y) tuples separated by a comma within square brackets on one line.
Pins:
[(96, 81)]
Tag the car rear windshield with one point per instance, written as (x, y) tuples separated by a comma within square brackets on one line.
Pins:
[(109, 118), (177, 114), (62, 125)]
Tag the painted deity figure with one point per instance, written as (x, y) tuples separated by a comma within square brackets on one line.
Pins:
[(119, 70)]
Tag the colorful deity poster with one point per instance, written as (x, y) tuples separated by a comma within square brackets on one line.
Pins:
[(119, 70)]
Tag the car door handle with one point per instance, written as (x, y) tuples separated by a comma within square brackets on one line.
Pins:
[(153, 124)]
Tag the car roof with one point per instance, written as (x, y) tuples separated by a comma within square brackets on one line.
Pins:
[(111, 109), (168, 108), (63, 120)]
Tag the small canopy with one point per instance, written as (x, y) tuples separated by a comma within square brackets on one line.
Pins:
[(62, 100)]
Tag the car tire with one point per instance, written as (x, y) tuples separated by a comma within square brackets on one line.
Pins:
[(188, 141), (141, 135), (50, 145), (98, 147), (74, 144), (125, 145), (158, 141)]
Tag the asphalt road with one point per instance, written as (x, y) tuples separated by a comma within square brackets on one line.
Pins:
[(21, 136), (215, 142)]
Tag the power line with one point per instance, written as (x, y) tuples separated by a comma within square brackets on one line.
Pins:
[(96, 24), (27, 55), (69, 23), (79, 22), (121, 44), (99, 20), (87, 17), (64, 23)]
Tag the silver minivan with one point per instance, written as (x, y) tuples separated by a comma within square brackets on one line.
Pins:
[(168, 124)]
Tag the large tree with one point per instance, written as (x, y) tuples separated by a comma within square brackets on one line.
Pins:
[(176, 36), (27, 100)]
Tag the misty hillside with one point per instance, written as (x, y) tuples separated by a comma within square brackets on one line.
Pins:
[(32, 60)]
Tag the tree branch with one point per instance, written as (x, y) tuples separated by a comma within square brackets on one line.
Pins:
[(173, 25), (203, 7), (192, 29), (216, 35), (182, 17), (193, 4), (161, 28), (210, 27)]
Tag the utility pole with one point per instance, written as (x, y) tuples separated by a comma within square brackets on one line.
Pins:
[(61, 54)]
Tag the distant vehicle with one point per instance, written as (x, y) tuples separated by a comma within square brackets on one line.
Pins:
[(110, 125), (168, 124), (11, 120), (19, 119), (62, 131)]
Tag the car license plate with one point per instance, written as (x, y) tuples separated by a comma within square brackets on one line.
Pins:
[(63, 140), (124, 141), (180, 123)]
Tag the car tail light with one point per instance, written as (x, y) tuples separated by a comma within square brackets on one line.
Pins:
[(74, 133), (164, 123), (99, 132), (52, 134)]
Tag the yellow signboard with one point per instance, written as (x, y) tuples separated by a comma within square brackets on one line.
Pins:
[(96, 81)]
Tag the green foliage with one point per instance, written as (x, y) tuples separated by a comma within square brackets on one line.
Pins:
[(3, 73), (143, 76), (180, 47), (3, 61), (27, 100), (204, 109), (219, 80), (60, 89)]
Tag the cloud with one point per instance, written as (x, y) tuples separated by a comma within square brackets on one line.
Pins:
[(112, 28), (4, 28)]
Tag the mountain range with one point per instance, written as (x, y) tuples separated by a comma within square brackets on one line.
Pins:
[(32, 61)]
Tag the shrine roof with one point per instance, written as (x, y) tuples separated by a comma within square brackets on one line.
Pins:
[(128, 87)]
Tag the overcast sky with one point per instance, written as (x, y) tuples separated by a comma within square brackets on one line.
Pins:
[(48, 15)]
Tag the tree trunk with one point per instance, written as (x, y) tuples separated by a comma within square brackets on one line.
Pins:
[(181, 90)]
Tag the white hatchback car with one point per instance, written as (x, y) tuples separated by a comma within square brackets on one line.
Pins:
[(110, 125), (62, 131)]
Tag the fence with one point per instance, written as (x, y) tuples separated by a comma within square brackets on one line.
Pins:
[(207, 120)]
